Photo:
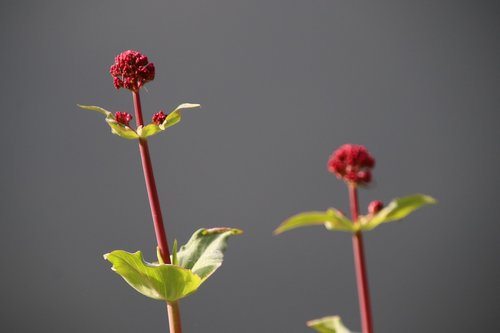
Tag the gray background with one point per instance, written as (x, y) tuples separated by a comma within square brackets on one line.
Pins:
[(282, 84)]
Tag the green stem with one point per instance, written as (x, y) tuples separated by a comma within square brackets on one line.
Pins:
[(360, 264)]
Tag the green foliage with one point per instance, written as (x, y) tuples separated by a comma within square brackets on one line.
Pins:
[(148, 130), (332, 324), (334, 220), (192, 265), (175, 260), (204, 252), (98, 109), (121, 130), (396, 210), (173, 118), (157, 281), (142, 131), (116, 128)]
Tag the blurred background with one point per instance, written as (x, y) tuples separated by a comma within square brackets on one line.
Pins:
[(282, 84)]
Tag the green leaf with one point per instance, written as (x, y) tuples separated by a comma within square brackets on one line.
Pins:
[(116, 128), (175, 260), (332, 219), (121, 130), (98, 109), (204, 252), (332, 324), (157, 281), (148, 130), (192, 265), (396, 210), (175, 116)]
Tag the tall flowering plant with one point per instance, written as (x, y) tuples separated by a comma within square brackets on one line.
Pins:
[(353, 164), (177, 273)]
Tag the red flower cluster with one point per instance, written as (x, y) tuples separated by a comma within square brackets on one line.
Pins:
[(123, 118), (352, 163), (159, 118), (375, 206), (131, 70)]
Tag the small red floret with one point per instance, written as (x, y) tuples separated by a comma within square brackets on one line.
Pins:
[(159, 118), (131, 70), (375, 206), (352, 163), (123, 118)]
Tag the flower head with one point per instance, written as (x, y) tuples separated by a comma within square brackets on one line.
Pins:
[(159, 118), (131, 70), (352, 163), (375, 206), (123, 118)]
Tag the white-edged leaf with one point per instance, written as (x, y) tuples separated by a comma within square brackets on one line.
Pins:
[(204, 252)]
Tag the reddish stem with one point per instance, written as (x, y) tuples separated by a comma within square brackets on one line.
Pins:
[(154, 202), (174, 316), (359, 262)]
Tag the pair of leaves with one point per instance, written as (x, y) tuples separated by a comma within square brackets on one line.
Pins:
[(142, 131), (172, 118), (333, 219), (194, 263), (332, 324)]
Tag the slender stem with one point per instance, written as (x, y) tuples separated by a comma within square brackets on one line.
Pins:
[(175, 317), (154, 202), (359, 262)]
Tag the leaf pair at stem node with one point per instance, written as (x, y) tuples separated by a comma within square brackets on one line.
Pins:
[(192, 265), (334, 220), (125, 131)]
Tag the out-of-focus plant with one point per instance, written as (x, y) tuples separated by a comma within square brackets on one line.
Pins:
[(353, 164)]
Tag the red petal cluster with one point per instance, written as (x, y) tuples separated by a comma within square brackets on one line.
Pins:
[(123, 118), (375, 206), (352, 163), (131, 70), (159, 118)]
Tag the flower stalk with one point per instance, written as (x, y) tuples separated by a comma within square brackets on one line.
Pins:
[(173, 309), (353, 164), (360, 264), (149, 178), (174, 317)]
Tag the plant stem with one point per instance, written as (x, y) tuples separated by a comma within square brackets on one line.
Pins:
[(154, 203), (359, 261), (174, 316)]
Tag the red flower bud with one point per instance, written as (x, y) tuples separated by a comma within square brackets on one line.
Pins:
[(352, 163), (131, 70), (123, 118), (375, 206), (159, 118)]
